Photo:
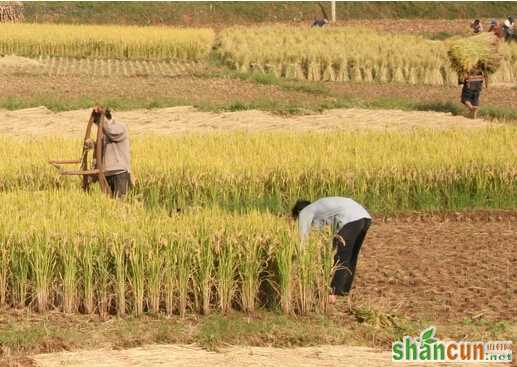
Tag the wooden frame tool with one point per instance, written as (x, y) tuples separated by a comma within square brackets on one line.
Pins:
[(93, 170)]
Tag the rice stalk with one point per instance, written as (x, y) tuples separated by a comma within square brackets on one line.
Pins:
[(118, 251), (183, 269), (305, 271), (5, 259), (20, 272), (285, 270), (251, 265), (88, 270), (204, 268), (103, 281), (169, 276), (137, 274), (155, 265), (68, 254), (226, 251), (43, 262)]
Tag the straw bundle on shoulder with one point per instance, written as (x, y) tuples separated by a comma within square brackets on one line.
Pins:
[(476, 52)]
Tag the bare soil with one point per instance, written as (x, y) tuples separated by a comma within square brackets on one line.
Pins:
[(186, 89), (13, 61), (441, 267), (40, 121), (500, 95)]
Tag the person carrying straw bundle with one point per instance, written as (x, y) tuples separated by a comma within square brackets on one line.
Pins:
[(472, 86), (474, 58)]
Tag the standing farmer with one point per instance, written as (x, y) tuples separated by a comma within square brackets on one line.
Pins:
[(472, 85), (349, 222), (116, 156)]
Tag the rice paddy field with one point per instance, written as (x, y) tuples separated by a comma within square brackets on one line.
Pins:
[(105, 42), (77, 252), (388, 172), (204, 240), (206, 226), (335, 54), (346, 54)]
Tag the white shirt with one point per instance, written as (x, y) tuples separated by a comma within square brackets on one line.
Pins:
[(334, 211)]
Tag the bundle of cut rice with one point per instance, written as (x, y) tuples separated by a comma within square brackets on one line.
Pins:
[(476, 52), (11, 11)]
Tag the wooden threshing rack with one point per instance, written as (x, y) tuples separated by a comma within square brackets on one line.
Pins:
[(91, 168)]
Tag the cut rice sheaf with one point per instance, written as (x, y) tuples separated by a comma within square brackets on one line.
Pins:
[(476, 52)]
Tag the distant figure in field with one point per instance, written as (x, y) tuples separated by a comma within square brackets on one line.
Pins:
[(508, 28), (349, 222), (496, 28), (320, 22), (476, 26), (472, 86)]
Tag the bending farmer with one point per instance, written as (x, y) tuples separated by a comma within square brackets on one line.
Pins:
[(349, 222), (116, 156)]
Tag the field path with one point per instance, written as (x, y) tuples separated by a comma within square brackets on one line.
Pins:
[(191, 356), (176, 120)]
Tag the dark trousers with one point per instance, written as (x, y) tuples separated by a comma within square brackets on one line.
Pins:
[(347, 243), (119, 184)]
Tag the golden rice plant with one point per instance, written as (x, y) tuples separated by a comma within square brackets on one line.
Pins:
[(42, 260), (105, 42), (68, 253), (20, 273), (205, 263), (5, 255), (70, 256), (67, 250), (386, 171)]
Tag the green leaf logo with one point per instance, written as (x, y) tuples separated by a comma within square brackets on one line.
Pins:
[(427, 336)]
